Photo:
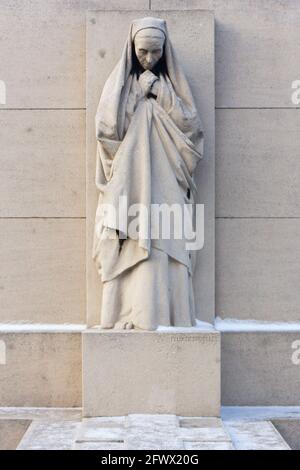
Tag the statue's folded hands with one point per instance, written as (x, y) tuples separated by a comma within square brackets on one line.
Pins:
[(147, 80), (155, 88)]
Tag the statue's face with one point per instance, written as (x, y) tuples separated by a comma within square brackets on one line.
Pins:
[(149, 44)]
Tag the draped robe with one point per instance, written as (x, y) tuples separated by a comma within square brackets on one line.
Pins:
[(147, 151)]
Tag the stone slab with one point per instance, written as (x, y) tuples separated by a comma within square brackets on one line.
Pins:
[(255, 49), (41, 370), (42, 171), (258, 269), (152, 431), (98, 445), (260, 413), (253, 435), (207, 434), (11, 432), (49, 435), (290, 431), (210, 445), (62, 429), (257, 163), (187, 30), (182, 5), (255, 55), (42, 276), (150, 372), (258, 369), (50, 37), (39, 413)]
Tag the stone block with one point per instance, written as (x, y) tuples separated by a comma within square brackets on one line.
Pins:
[(259, 369), (257, 163), (11, 432), (150, 372), (258, 269), (42, 170), (290, 431), (255, 435), (41, 370), (42, 278)]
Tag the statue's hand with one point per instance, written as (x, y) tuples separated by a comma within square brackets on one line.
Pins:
[(146, 80), (155, 88)]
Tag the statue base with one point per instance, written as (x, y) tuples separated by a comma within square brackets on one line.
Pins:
[(173, 371)]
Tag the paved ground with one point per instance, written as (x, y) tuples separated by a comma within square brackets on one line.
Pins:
[(64, 429)]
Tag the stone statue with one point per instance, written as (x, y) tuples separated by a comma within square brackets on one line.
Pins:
[(149, 142)]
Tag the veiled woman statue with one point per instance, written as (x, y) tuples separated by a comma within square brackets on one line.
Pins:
[(149, 142)]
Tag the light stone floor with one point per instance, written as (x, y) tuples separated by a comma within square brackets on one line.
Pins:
[(63, 429)]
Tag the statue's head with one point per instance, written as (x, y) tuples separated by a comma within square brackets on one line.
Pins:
[(149, 47)]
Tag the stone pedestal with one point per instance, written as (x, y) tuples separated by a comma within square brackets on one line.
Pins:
[(175, 371)]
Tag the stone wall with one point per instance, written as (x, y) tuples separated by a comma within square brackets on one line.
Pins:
[(42, 171)]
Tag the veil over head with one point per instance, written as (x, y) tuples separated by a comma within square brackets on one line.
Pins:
[(108, 114)]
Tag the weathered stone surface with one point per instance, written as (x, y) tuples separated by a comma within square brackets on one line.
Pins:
[(161, 378), (253, 435), (258, 269), (152, 431), (42, 369), (260, 413), (290, 431), (43, 270), (42, 171), (49, 435), (257, 163), (50, 36), (182, 4), (258, 369), (210, 445), (11, 432), (109, 422), (152, 442), (38, 413), (153, 422), (255, 55), (60, 428), (98, 445), (96, 433), (199, 422), (204, 433)]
